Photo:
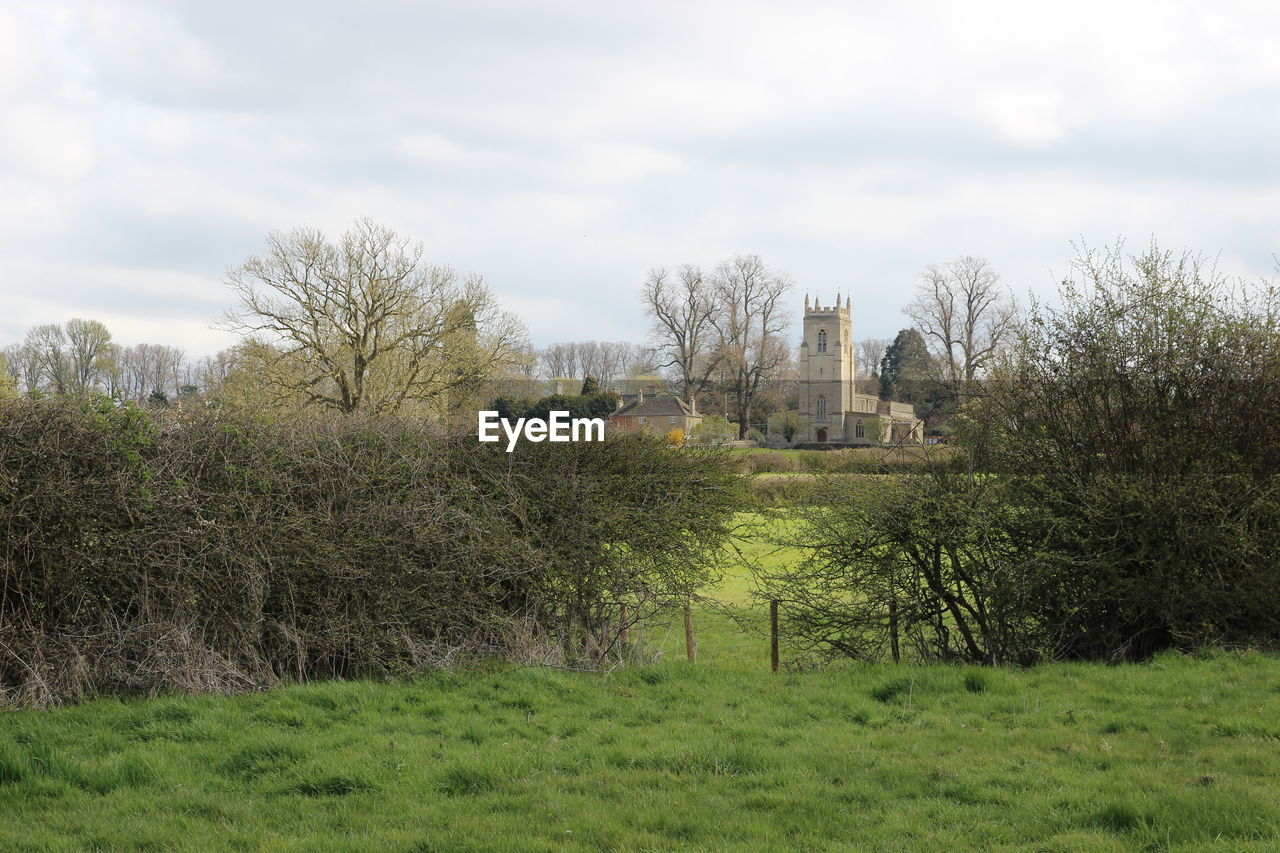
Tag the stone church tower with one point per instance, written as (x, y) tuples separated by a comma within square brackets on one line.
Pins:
[(826, 367), (830, 404)]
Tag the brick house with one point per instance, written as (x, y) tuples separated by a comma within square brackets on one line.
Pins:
[(657, 413)]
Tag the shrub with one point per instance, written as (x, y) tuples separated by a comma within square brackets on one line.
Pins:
[(767, 461), (786, 490), (1138, 425), (916, 566), (675, 438), (712, 431), (197, 552)]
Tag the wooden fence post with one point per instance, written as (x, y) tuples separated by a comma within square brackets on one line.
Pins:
[(773, 634), (624, 629), (893, 627), (690, 647)]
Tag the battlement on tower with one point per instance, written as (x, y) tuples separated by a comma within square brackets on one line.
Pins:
[(817, 309)]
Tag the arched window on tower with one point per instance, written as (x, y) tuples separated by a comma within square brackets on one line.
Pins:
[(820, 408), (822, 340)]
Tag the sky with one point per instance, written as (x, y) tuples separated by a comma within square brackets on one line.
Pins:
[(562, 149)]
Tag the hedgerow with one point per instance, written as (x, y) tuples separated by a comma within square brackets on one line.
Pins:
[(203, 551)]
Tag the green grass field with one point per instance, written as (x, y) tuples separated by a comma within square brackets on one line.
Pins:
[(1181, 753), (1175, 754)]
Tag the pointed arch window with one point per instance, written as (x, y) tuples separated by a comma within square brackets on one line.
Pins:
[(858, 431), (822, 340), (820, 408)]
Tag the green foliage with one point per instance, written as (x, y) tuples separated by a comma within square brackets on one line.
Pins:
[(8, 385), (907, 368), (1175, 754), (712, 431), (788, 424), (598, 404), (865, 460), (910, 375), (1138, 428), (914, 565)]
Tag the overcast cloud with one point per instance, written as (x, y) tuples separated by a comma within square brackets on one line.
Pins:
[(562, 149)]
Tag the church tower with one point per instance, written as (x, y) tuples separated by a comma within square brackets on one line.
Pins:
[(826, 369)]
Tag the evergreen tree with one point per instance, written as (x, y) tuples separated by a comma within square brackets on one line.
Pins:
[(906, 368)]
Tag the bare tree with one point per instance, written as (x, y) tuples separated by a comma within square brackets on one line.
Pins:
[(683, 307), (148, 372), (8, 377), (126, 377), (212, 370), (964, 314), (161, 367), (594, 360), (750, 320), (638, 360), (365, 324), (613, 360), (870, 354), (560, 361), (23, 365), (608, 361), (88, 354), (48, 352)]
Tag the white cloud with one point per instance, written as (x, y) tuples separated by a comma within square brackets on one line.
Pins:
[(562, 149)]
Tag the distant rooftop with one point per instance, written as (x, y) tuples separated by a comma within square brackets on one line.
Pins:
[(662, 405)]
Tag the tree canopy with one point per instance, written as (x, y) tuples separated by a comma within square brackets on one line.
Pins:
[(366, 324)]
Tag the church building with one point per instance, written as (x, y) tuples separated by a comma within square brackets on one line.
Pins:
[(834, 411)]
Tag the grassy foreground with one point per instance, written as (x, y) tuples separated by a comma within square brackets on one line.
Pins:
[(1178, 753)]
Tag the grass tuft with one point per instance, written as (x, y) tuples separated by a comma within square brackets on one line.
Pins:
[(1117, 817), (337, 785), (13, 765), (467, 779), (260, 759), (893, 690)]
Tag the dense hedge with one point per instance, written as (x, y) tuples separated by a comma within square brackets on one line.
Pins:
[(202, 552), (852, 460)]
